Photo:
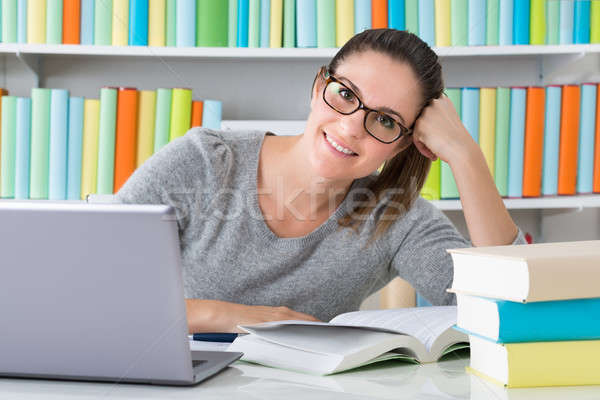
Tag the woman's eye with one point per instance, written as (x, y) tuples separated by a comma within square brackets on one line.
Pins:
[(346, 94), (386, 121)]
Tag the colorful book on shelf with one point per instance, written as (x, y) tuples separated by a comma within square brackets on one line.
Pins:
[(254, 23), (57, 168), (22, 21), (22, 147), (431, 187), (443, 35), (145, 126), (120, 22), (138, 22), (344, 21), (594, 24), (379, 14), (521, 18), (212, 114), (535, 364), (529, 273), (501, 144), (157, 16), (126, 136), (87, 22), (289, 24), (516, 141), (459, 22), (103, 22), (596, 188), (306, 23), (232, 23), (326, 23), (537, 26), (276, 26), (397, 14), (504, 321), (185, 27), (505, 23), (265, 22), (40, 132), (181, 112), (106, 141), (581, 22), (487, 126), (470, 111), (553, 22), (89, 155), (197, 109), (411, 16), (162, 125), (75, 148), (9, 21), (363, 15), (36, 23), (567, 10), (477, 17), (534, 142), (587, 133), (569, 140), (243, 10), (448, 189), (54, 17), (551, 140), (71, 22), (427, 21), (171, 22), (492, 21), (8, 146), (354, 339)]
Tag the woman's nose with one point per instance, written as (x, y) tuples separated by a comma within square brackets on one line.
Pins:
[(353, 124)]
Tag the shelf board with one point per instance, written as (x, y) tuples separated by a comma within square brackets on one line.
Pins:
[(281, 53), (554, 202)]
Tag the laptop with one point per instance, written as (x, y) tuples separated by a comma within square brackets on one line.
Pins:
[(95, 292)]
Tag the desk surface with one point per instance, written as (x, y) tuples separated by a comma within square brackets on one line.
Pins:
[(391, 380)]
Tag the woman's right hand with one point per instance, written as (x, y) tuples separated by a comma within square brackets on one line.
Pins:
[(223, 316)]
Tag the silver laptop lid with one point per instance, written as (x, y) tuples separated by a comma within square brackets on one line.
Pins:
[(92, 291)]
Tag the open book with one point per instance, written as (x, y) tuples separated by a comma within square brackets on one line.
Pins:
[(422, 334)]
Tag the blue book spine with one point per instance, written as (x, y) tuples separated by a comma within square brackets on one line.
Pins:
[(476, 36), (185, 35), (516, 141), (521, 22), (23, 143), (138, 22), (587, 130), (581, 22), (567, 11), (211, 114), (87, 22), (470, 111), (505, 25), (22, 21), (397, 15), (306, 23), (551, 141), (426, 22), (362, 15), (75, 148), (265, 22), (242, 27), (57, 171), (548, 320)]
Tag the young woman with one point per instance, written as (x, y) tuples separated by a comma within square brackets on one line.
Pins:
[(303, 227)]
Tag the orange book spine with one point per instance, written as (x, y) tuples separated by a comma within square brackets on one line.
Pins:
[(569, 140), (71, 21), (596, 185), (197, 113), (534, 142), (126, 135), (379, 14)]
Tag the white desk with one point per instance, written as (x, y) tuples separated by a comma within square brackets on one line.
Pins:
[(444, 380)]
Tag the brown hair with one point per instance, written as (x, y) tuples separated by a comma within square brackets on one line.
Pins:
[(401, 179)]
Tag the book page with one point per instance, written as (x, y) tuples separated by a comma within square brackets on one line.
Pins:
[(423, 323)]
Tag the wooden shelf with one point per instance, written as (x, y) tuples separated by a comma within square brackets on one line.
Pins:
[(555, 202)]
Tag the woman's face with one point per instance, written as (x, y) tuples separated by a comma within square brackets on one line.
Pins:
[(382, 84)]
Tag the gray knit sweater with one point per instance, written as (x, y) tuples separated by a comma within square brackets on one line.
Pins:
[(230, 254)]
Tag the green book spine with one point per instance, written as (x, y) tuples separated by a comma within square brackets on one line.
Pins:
[(448, 189), (411, 11), (502, 136), (492, 22), (289, 23), (40, 143), (254, 24), (181, 113), (106, 141), (54, 18), (326, 23), (171, 22), (459, 22), (8, 146), (103, 22), (553, 22), (212, 23), (162, 124), (9, 21), (431, 187), (537, 26), (233, 22), (595, 22)]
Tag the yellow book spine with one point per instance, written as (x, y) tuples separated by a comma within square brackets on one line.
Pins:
[(442, 23), (344, 21), (487, 125), (146, 115), (89, 156), (120, 23), (276, 31), (36, 21), (156, 22), (553, 363), (595, 22)]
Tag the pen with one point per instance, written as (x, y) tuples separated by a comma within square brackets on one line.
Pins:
[(215, 337)]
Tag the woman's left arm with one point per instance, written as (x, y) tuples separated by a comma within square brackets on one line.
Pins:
[(439, 132)]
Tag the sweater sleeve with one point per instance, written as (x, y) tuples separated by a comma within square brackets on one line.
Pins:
[(422, 259)]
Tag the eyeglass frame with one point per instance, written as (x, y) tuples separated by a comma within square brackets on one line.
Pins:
[(361, 106)]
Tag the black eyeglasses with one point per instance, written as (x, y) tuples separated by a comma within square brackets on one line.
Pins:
[(379, 125)]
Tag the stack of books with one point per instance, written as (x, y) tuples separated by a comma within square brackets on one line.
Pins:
[(537, 141), (59, 147), (532, 312)]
